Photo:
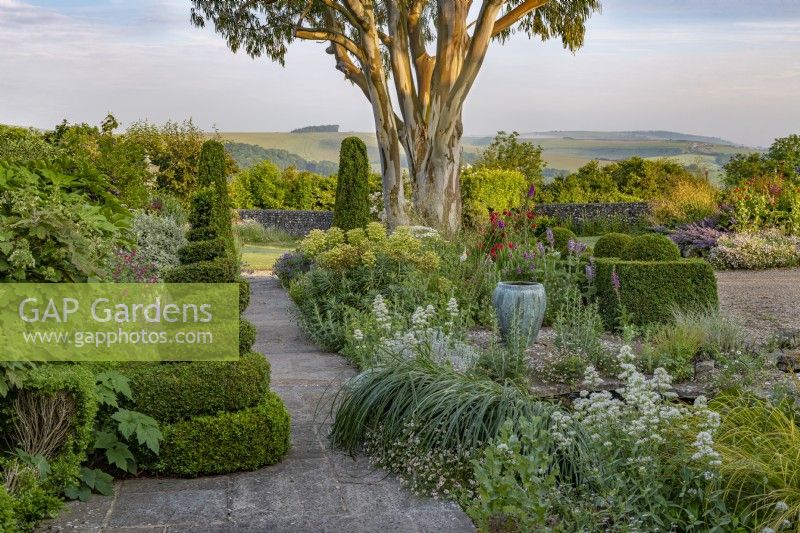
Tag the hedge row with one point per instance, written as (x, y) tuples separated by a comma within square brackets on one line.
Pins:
[(651, 291), (175, 391), (197, 251), (227, 442)]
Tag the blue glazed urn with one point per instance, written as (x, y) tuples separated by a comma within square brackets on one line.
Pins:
[(520, 307)]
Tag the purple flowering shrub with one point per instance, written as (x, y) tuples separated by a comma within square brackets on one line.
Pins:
[(290, 265), (131, 267), (697, 238)]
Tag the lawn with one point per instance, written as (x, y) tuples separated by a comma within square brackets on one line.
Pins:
[(262, 257)]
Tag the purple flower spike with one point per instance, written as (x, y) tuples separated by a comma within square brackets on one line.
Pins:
[(501, 224), (540, 248), (571, 246), (549, 236), (590, 272), (532, 191), (615, 280)]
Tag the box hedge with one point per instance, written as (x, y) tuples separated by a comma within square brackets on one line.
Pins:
[(652, 290), (244, 293), (611, 245), (651, 247), (227, 442), (177, 391), (197, 251), (220, 270), (205, 233), (247, 336)]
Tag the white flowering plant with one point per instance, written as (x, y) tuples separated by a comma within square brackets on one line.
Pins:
[(630, 460), (433, 332)]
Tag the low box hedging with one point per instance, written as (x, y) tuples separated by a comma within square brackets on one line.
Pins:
[(197, 251), (227, 442), (651, 247), (170, 392), (220, 270), (652, 290), (244, 294), (247, 335), (205, 233), (611, 245)]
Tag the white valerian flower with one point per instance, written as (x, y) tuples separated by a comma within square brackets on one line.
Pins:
[(591, 378), (463, 256), (452, 307), (358, 335), (381, 312), (781, 506)]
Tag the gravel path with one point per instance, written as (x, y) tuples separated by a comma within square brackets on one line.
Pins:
[(314, 488), (763, 301)]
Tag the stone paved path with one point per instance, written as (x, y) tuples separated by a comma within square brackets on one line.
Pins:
[(314, 489), (762, 300)]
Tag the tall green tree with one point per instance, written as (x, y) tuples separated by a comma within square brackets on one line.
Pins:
[(507, 152), (430, 51), (351, 209)]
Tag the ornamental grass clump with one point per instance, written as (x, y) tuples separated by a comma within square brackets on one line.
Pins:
[(759, 443)]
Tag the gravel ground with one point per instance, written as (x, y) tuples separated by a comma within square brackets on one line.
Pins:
[(762, 301)]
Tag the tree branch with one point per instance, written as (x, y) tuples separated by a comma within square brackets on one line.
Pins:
[(324, 34), (513, 16)]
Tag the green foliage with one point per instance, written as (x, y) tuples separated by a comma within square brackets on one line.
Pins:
[(651, 247), (516, 477), (174, 148), (20, 145), (201, 212), (226, 442), (158, 239), (247, 336), (79, 383), (506, 152), (170, 392), (120, 158), (650, 291), (629, 180), (265, 186), (197, 251), (485, 189), (782, 159), (755, 440), (454, 411), (253, 232), (201, 234), (27, 501), (220, 270), (244, 293), (211, 169), (352, 191), (578, 329), (612, 245), (56, 226), (91, 480), (561, 238)]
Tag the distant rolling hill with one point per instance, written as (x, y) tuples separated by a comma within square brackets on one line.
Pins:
[(564, 151)]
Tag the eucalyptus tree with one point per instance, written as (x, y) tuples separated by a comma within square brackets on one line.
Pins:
[(429, 51)]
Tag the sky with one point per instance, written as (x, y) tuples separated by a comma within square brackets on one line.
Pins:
[(724, 68)]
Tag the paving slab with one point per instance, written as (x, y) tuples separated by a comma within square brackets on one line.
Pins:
[(314, 489)]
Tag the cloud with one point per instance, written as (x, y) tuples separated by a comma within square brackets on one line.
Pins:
[(719, 67)]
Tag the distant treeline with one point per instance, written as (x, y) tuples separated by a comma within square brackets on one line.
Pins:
[(248, 155), (325, 128)]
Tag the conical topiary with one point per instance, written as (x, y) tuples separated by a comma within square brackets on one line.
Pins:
[(211, 173), (351, 209)]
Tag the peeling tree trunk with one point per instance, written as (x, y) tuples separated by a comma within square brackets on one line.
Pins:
[(394, 200), (437, 197)]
